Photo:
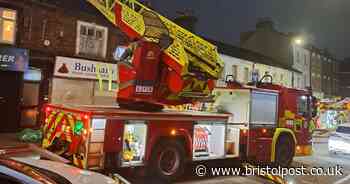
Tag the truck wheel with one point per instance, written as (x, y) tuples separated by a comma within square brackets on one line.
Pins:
[(285, 149), (168, 160)]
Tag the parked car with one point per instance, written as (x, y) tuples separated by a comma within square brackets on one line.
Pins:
[(339, 141), (20, 170)]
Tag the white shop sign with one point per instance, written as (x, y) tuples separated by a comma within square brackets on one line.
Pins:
[(85, 69)]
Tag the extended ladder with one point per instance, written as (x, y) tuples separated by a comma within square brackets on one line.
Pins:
[(188, 50)]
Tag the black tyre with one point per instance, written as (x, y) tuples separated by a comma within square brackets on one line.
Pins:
[(285, 150), (168, 160)]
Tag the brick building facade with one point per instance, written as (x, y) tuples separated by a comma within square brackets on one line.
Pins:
[(54, 28), (344, 78)]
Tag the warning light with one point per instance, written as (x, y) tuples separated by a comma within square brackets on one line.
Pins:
[(298, 148), (173, 132), (86, 117), (264, 130), (48, 109), (245, 131), (78, 127)]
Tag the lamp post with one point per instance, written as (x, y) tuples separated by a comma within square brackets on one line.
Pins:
[(298, 41)]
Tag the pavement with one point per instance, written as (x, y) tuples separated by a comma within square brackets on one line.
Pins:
[(10, 140)]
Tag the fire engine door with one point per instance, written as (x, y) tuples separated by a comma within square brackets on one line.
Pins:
[(262, 117)]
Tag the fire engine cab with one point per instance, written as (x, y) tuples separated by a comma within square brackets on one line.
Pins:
[(274, 120)]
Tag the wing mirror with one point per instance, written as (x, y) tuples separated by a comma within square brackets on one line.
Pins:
[(121, 53)]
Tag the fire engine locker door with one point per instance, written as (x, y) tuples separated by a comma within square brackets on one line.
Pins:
[(10, 99), (114, 136)]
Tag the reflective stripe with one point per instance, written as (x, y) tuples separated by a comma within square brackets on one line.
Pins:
[(49, 122), (278, 131)]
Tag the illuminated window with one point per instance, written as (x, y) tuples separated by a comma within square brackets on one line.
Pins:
[(8, 20), (91, 39)]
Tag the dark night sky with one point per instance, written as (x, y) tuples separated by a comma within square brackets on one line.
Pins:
[(325, 23)]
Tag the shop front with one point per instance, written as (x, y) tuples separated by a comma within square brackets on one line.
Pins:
[(333, 113), (13, 64), (83, 82)]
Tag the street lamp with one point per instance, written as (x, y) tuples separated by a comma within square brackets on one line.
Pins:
[(298, 41)]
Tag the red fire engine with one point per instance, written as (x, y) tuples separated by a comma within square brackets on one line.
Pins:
[(264, 123)]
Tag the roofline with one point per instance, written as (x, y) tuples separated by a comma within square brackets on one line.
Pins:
[(276, 64)]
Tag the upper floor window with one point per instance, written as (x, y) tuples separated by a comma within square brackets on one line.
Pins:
[(298, 57), (234, 71), (246, 74), (281, 77), (91, 39), (8, 20)]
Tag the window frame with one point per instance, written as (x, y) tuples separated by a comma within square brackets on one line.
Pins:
[(81, 23), (246, 74), (302, 109), (15, 21), (234, 71)]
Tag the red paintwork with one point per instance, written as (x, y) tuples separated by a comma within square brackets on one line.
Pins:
[(160, 125), (124, 27), (158, 129), (113, 136), (287, 100)]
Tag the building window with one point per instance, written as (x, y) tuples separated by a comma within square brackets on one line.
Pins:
[(91, 39), (281, 78), (298, 57), (234, 71), (8, 21), (223, 73), (246, 74)]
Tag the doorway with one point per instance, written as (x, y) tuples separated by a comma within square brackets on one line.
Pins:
[(10, 99), (30, 105)]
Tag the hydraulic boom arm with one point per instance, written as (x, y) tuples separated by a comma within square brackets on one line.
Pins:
[(191, 61)]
